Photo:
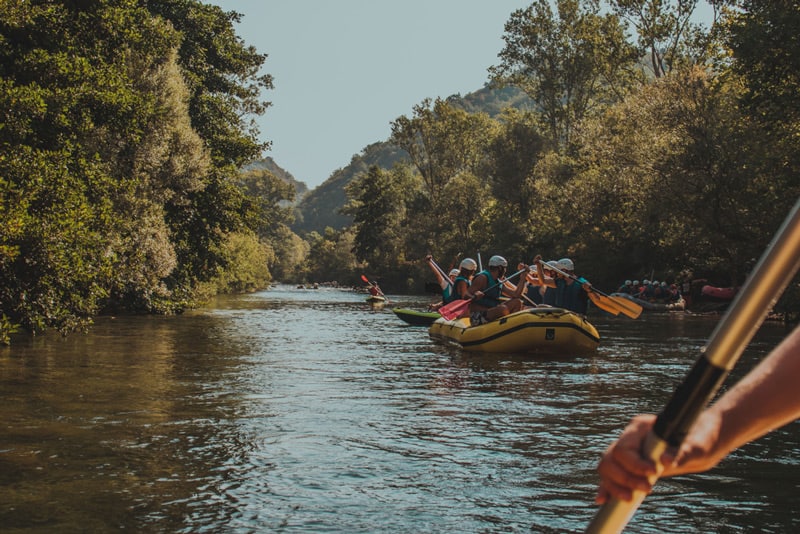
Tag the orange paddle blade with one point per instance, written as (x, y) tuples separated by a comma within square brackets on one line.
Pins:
[(454, 309)]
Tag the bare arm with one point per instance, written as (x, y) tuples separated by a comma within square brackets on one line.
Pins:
[(443, 283), (766, 399)]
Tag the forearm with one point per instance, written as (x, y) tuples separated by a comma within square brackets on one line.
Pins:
[(766, 399)]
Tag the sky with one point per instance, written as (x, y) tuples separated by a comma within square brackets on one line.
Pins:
[(345, 69)]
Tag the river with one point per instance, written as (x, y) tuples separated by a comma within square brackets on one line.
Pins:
[(299, 410)]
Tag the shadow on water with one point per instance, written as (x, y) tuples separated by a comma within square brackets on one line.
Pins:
[(307, 410)]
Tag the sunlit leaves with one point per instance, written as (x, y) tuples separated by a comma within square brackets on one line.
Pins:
[(568, 60)]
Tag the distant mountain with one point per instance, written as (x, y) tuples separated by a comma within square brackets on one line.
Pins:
[(492, 100), (320, 207)]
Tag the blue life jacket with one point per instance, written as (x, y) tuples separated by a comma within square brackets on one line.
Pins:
[(491, 295), (451, 290)]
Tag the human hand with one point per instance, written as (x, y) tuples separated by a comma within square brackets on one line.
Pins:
[(622, 468)]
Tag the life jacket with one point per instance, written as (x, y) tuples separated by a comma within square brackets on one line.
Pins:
[(492, 292), (571, 296), (451, 290)]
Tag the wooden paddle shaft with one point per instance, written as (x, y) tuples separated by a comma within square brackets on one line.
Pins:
[(776, 268)]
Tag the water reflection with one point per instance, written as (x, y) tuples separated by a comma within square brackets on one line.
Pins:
[(306, 410)]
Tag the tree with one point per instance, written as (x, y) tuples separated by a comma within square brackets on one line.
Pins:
[(568, 62), (442, 141), (378, 206), (664, 31), (120, 140)]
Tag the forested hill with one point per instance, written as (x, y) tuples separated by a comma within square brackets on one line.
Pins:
[(270, 165), (320, 208)]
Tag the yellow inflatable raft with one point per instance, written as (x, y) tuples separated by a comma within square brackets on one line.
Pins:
[(538, 330)]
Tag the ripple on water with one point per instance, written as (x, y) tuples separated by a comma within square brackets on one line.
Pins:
[(307, 411)]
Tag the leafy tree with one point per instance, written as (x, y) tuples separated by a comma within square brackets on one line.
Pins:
[(331, 258), (290, 254), (378, 207), (248, 260), (569, 61), (664, 31), (442, 141), (118, 176)]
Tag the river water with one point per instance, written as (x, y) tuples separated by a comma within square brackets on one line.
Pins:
[(306, 411)]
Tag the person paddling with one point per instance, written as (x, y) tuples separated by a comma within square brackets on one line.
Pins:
[(486, 306)]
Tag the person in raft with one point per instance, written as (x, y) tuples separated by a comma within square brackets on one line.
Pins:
[(485, 291), (565, 291), (765, 399), (456, 287)]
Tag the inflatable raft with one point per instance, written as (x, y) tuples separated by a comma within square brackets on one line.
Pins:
[(538, 330)]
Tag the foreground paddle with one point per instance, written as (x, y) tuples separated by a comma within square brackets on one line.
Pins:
[(611, 304), (763, 287), (458, 307)]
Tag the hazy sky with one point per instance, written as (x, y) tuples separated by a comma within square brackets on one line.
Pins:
[(345, 69)]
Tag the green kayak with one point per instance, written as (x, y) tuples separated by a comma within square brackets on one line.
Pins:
[(416, 318)]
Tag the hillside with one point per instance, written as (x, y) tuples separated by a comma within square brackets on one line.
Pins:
[(269, 164), (320, 207)]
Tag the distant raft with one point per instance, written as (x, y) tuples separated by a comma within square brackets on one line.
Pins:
[(655, 305), (536, 331)]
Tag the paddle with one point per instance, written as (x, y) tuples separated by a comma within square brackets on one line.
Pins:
[(457, 307), (772, 274), (611, 304), (440, 271)]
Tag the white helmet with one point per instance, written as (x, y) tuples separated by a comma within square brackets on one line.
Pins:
[(468, 264), (454, 272), (498, 261), (566, 264)]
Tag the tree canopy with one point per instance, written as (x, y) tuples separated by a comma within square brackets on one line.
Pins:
[(121, 130)]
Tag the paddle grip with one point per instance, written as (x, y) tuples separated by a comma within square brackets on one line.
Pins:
[(689, 399)]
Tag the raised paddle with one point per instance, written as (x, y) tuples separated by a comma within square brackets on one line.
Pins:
[(454, 309), (441, 272), (763, 287), (607, 302)]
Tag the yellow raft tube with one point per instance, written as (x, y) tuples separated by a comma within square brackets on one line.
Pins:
[(537, 330)]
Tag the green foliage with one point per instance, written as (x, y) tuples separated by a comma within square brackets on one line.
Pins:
[(442, 141), (321, 207), (665, 32), (688, 174), (248, 258), (378, 210), (120, 128), (331, 258), (569, 61)]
